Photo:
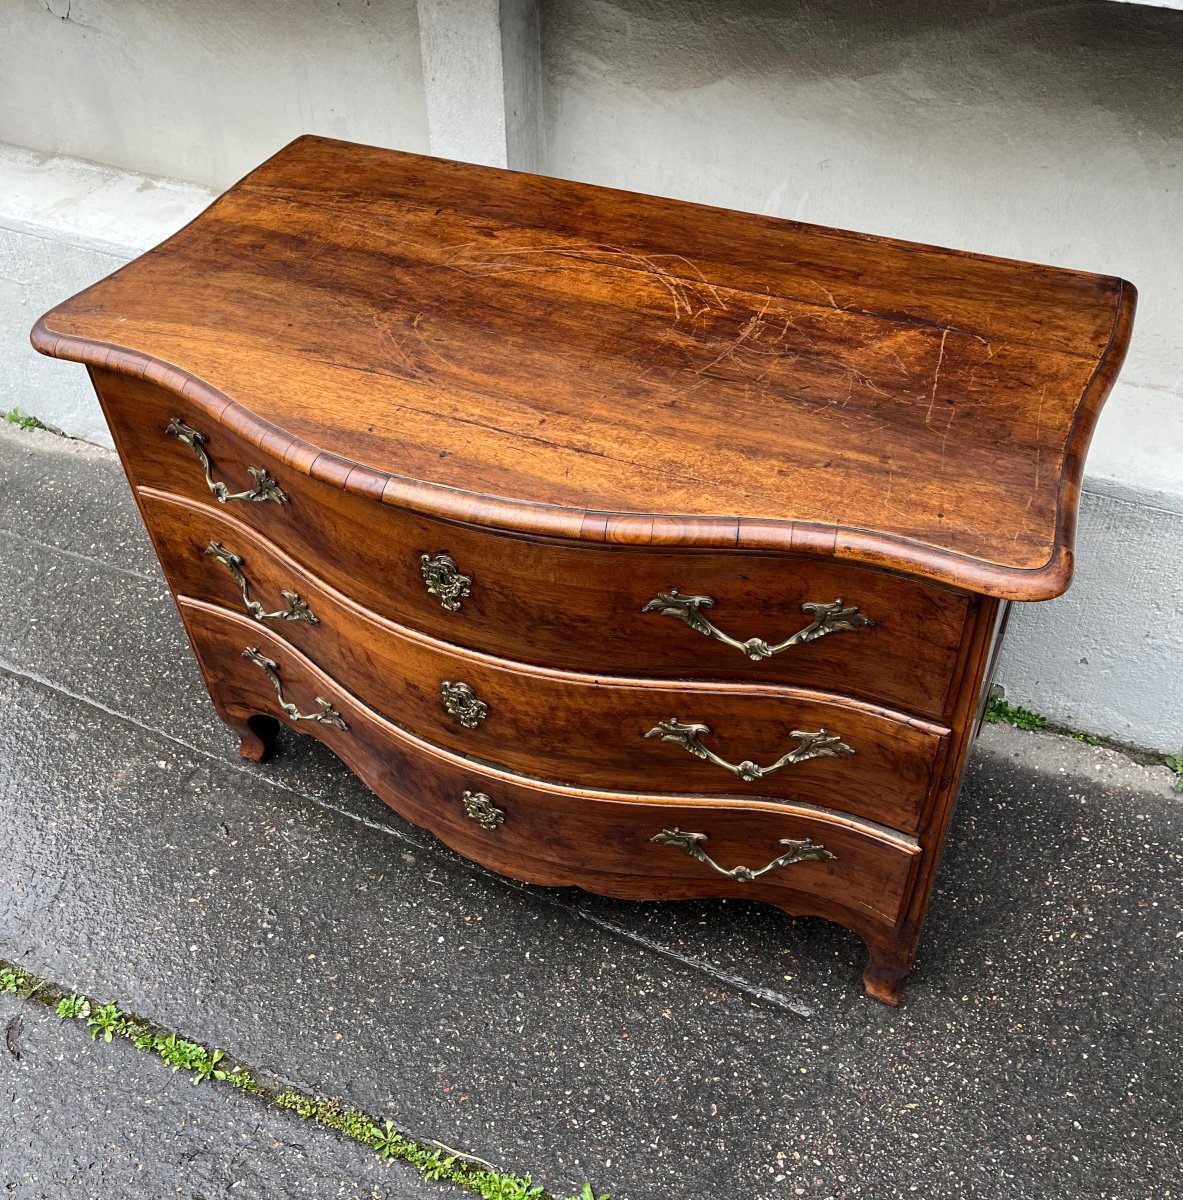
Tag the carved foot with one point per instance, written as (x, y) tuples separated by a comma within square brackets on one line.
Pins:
[(256, 735), (884, 976)]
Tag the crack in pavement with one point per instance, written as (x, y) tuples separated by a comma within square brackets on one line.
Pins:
[(736, 983)]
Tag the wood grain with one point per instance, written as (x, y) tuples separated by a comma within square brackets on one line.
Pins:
[(554, 359), (570, 606), (569, 835), (587, 398), (558, 725)]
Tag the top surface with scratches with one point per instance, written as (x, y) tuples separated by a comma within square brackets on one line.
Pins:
[(565, 360)]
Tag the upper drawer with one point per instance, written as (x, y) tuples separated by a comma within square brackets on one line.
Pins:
[(580, 607)]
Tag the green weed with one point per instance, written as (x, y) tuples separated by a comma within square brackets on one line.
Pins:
[(998, 712), (437, 1163), (106, 1022), (13, 980), (14, 416), (70, 1007), (1175, 763)]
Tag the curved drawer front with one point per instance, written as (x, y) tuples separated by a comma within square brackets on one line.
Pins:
[(628, 845), (767, 618), (622, 734)]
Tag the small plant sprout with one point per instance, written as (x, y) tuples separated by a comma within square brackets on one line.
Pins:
[(208, 1068), (998, 712), (106, 1022), (71, 1007), (12, 980), (388, 1141), (1174, 762), (14, 416)]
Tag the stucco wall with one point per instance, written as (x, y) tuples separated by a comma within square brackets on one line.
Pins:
[(204, 90), (1043, 131)]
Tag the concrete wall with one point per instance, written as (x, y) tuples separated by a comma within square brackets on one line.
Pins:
[(1029, 128), (64, 224), (204, 90)]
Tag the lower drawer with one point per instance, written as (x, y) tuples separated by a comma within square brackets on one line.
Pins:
[(559, 725), (805, 859)]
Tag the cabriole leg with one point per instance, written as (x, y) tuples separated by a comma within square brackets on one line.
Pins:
[(256, 734)]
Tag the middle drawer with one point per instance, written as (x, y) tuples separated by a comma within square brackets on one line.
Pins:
[(614, 733)]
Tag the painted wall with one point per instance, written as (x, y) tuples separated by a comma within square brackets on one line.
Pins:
[(64, 224), (1043, 131), (204, 90)]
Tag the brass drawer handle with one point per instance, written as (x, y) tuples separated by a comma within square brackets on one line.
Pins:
[(479, 808), (461, 702), (297, 609), (798, 851), (265, 487), (827, 618), (443, 580), (328, 715), (818, 744)]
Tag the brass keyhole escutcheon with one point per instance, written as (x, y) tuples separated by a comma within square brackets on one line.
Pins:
[(461, 702), (443, 579), (479, 808)]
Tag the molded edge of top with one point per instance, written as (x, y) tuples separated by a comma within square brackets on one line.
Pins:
[(867, 547)]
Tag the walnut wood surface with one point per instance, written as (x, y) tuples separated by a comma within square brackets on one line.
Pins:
[(566, 835), (557, 359), (565, 606), (556, 725)]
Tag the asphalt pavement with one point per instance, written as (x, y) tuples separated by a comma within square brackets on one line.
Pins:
[(672, 1051)]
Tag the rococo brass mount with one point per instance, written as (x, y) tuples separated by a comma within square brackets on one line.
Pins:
[(444, 581), (265, 487), (297, 609), (327, 715), (479, 808), (799, 850), (827, 618), (461, 702), (818, 744)]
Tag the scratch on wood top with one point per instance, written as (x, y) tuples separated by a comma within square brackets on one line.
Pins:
[(936, 376), (691, 297)]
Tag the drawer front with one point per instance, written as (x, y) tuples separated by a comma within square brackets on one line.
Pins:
[(804, 859), (602, 610), (615, 733)]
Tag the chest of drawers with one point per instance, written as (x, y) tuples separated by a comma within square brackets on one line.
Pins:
[(621, 543)]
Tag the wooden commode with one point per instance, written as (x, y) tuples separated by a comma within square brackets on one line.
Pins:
[(622, 543)]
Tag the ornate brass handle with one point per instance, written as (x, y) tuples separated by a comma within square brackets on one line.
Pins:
[(265, 487), (328, 715), (297, 609), (818, 744), (798, 851), (827, 618), (443, 580)]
